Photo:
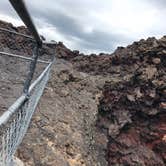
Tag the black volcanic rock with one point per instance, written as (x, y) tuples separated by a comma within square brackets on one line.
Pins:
[(133, 110), (63, 52)]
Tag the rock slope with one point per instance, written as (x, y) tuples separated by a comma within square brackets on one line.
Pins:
[(133, 109), (62, 131), (106, 109)]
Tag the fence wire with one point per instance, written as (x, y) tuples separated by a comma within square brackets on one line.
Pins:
[(13, 42), (14, 122)]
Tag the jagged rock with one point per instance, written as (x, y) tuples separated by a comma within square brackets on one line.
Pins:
[(139, 139), (156, 61), (63, 52), (129, 88)]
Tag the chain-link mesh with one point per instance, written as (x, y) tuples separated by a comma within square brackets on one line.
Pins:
[(15, 121), (15, 127)]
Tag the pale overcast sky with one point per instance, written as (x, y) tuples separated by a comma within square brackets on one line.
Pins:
[(94, 25)]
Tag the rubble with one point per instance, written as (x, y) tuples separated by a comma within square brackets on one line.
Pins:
[(135, 108)]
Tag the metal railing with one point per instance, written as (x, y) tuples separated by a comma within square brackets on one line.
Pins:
[(22, 11), (15, 121)]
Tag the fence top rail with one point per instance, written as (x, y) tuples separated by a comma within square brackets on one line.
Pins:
[(22, 11)]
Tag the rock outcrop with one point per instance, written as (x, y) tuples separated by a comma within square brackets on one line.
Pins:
[(132, 111)]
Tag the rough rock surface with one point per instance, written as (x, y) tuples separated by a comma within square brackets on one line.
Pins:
[(97, 110), (62, 131), (132, 111)]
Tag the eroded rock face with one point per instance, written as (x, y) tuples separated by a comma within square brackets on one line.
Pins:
[(132, 111), (136, 126)]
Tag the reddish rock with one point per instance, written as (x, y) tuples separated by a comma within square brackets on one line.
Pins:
[(133, 110)]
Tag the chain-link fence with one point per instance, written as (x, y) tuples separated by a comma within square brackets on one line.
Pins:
[(16, 42), (15, 121), (15, 64)]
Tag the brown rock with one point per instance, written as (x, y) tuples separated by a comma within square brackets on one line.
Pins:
[(138, 92), (156, 61), (150, 72), (163, 105), (113, 130), (130, 97)]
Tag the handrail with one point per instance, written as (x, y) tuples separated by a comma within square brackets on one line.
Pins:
[(6, 115), (22, 11), (15, 121)]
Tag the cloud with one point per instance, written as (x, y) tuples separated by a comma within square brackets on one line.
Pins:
[(94, 39), (158, 3), (76, 27), (95, 25)]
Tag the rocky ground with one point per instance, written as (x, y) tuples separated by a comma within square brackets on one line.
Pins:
[(97, 109)]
